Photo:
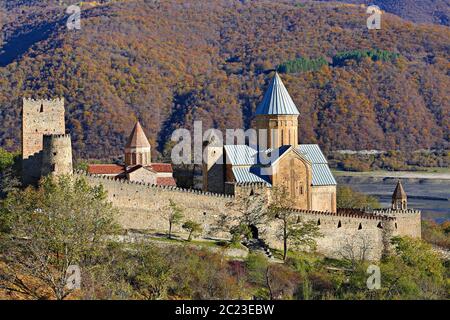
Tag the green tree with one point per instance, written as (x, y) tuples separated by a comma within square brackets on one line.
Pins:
[(293, 231), (174, 216), (192, 227), (151, 273), (62, 223), (349, 198)]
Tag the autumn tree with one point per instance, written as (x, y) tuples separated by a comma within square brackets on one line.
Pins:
[(63, 223)]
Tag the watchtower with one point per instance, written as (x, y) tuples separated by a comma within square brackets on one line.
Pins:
[(39, 117), (57, 155)]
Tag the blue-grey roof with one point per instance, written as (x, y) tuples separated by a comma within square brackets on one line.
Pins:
[(321, 175), (240, 155), (244, 160), (248, 174), (277, 100), (313, 153)]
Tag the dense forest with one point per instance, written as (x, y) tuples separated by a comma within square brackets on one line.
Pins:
[(421, 11), (171, 62)]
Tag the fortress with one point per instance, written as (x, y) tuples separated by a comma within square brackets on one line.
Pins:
[(141, 190)]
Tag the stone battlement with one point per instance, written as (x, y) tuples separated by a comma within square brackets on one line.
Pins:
[(57, 136), (347, 213), (101, 178), (55, 100), (390, 211), (252, 184)]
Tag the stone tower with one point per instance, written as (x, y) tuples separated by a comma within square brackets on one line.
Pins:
[(399, 198), (138, 149), (39, 117), (57, 155), (213, 165), (277, 117)]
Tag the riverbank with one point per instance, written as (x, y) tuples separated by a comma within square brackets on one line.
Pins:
[(428, 192)]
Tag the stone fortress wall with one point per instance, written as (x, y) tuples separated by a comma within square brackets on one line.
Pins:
[(47, 150), (347, 233)]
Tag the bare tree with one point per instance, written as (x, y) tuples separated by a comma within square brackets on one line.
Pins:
[(355, 249)]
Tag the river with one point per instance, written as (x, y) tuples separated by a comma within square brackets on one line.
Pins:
[(429, 195)]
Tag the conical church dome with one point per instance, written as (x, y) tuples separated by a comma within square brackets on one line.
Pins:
[(277, 100)]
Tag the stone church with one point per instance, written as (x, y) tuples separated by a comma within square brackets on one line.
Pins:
[(301, 170), (138, 166)]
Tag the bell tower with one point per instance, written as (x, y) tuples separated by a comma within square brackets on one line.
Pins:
[(399, 198), (277, 117), (138, 149)]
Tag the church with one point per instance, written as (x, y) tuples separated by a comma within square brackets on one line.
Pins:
[(301, 170), (138, 166)]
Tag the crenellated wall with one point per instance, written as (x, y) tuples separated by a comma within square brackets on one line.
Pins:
[(346, 234), (145, 206)]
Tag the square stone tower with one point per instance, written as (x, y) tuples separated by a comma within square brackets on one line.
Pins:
[(39, 118)]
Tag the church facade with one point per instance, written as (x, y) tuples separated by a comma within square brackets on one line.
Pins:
[(278, 161)]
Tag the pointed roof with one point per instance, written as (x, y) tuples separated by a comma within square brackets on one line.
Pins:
[(277, 100), (137, 138), (399, 193)]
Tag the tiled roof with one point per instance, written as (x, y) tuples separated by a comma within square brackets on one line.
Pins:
[(137, 138), (166, 181), (133, 168), (105, 169), (277, 100), (399, 192), (162, 167)]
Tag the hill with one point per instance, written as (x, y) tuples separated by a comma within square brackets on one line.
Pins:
[(423, 11), (171, 62)]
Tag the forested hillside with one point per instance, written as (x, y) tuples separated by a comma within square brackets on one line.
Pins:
[(174, 61), (421, 11)]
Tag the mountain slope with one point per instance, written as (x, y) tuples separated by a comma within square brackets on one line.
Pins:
[(421, 11), (172, 62)]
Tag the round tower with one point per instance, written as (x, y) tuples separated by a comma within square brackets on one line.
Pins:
[(57, 155)]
